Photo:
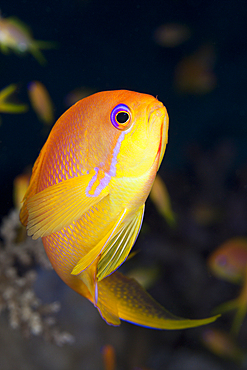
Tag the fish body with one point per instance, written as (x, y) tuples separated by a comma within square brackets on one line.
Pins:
[(86, 200), (16, 36)]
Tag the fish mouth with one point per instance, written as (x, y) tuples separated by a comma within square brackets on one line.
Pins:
[(158, 115)]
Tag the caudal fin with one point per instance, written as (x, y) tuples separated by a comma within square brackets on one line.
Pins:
[(120, 297)]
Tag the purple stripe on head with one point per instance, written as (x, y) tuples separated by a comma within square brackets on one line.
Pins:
[(112, 172), (116, 150)]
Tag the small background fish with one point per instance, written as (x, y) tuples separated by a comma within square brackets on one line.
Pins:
[(16, 36), (229, 262)]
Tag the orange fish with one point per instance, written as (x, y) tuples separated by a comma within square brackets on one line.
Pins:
[(86, 200), (41, 102), (109, 357), (229, 262)]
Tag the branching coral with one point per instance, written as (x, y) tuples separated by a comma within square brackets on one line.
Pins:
[(18, 257)]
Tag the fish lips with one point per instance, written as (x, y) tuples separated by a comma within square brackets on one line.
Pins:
[(158, 115)]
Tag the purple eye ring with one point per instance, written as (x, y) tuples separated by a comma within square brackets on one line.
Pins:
[(121, 117)]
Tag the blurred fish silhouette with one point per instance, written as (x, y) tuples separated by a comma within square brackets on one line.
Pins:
[(171, 35), (229, 262), (205, 213), (41, 102), (222, 345), (194, 73), (7, 106), (16, 36), (20, 186), (109, 357), (86, 200), (160, 197)]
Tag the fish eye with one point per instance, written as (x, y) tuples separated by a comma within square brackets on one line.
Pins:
[(121, 117)]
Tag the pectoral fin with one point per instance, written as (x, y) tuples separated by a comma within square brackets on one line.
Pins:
[(118, 248), (114, 247), (135, 305), (59, 205), (94, 253)]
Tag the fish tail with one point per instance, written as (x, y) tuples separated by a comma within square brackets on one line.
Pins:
[(120, 297)]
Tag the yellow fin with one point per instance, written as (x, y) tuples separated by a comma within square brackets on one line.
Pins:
[(59, 205), (89, 279), (107, 306), (226, 306), (119, 246), (13, 108), (239, 318), (234, 304), (7, 91), (135, 305), (161, 199), (10, 107), (90, 256)]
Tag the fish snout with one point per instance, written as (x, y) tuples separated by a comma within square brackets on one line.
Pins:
[(158, 122)]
